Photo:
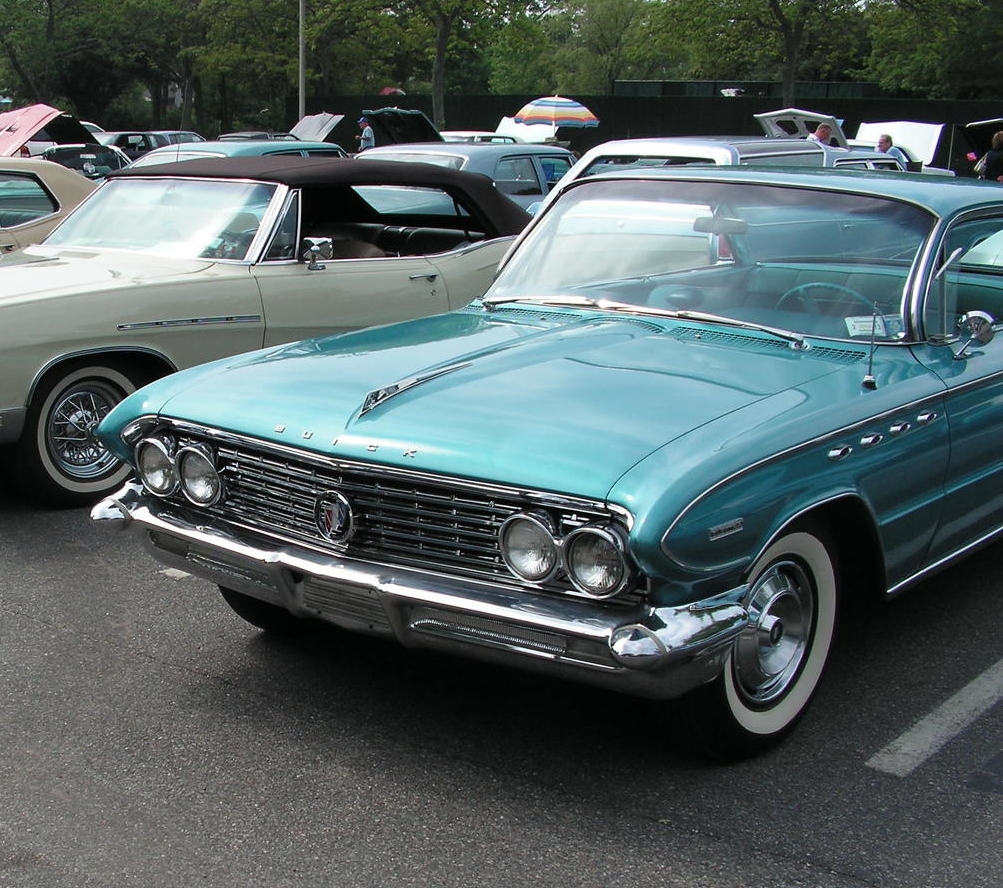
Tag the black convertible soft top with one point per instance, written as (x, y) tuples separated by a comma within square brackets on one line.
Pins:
[(304, 172)]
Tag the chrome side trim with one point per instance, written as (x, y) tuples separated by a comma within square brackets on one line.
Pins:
[(190, 322), (835, 452), (943, 562)]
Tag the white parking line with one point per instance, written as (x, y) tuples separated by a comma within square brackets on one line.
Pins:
[(908, 751), (174, 573)]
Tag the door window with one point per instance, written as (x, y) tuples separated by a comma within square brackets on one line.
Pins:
[(23, 199)]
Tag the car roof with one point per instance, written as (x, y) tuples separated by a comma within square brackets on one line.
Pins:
[(941, 195), (296, 171), (744, 144), (48, 168), (467, 149), (236, 148)]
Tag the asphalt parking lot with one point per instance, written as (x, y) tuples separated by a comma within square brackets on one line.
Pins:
[(151, 738)]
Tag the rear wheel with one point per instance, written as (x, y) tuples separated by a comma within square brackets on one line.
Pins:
[(776, 663), (57, 459), (262, 614)]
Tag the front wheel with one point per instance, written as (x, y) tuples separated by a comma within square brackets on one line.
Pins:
[(57, 459), (776, 663)]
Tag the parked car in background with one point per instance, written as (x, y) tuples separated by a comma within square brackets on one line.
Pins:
[(478, 136), (91, 127), (165, 267), (312, 127), (35, 195), (698, 410), (400, 126), (28, 131), (917, 141), (132, 144), (91, 161), (239, 148), (526, 173), (256, 135), (678, 151), (176, 137)]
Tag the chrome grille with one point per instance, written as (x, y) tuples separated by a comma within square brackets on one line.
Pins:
[(429, 522)]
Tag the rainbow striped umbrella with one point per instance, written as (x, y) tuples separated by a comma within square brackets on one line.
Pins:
[(556, 111)]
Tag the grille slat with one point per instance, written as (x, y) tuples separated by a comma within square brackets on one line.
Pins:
[(432, 522)]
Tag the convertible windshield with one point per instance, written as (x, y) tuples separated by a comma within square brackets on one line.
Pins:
[(183, 218), (816, 262)]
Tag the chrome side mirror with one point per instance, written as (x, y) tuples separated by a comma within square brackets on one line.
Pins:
[(980, 329), (313, 249)]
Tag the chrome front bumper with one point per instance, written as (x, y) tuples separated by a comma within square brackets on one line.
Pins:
[(651, 652)]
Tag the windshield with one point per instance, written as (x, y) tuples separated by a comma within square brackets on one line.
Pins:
[(814, 262), (183, 218)]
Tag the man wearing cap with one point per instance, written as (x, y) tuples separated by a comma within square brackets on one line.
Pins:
[(366, 138)]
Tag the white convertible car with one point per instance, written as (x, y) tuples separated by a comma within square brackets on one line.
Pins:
[(169, 266)]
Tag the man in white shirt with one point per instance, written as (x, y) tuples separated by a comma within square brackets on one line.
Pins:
[(885, 146)]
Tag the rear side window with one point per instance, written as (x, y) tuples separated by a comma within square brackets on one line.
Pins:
[(517, 175), (23, 199)]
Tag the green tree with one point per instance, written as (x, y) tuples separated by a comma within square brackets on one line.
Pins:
[(760, 39), (942, 49)]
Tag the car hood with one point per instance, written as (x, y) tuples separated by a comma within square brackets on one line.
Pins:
[(568, 406), (23, 124), (315, 127), (393, 126), (797, 122), (36, 272), (979, 133)]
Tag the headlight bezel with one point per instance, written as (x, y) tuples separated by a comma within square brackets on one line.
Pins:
[(541, 522), (564, 549), (185, 455), (616, 545), (164, 447)]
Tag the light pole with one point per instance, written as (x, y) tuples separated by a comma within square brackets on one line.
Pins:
[(302, 60)]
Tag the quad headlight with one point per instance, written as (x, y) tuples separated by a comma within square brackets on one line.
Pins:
[(199, 479), (164, 468), (593, 556), (595, 562), (155, 467), (529, 548)]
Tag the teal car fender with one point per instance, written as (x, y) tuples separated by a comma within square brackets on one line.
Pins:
[(708, 504)]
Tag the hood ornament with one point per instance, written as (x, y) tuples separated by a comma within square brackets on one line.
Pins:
[(376, 397)]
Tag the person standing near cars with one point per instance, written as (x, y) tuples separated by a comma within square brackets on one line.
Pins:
[(886, 146), (993, 167), (366, 139), (823, 133)]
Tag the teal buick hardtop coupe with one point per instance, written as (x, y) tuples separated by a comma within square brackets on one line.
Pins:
[(696, 412)]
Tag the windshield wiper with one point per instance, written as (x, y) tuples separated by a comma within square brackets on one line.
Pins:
[(796, 339), (584, 301)]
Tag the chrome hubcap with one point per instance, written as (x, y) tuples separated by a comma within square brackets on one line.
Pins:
[(769, 653)]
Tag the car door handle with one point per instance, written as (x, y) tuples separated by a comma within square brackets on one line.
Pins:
[(427, 275)]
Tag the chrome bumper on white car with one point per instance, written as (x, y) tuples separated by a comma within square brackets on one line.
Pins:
[(657, 652)]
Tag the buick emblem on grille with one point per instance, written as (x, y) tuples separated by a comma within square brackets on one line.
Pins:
[(333, 514)]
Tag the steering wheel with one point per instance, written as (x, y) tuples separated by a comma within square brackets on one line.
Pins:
[(802, 293), (229, 245)]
